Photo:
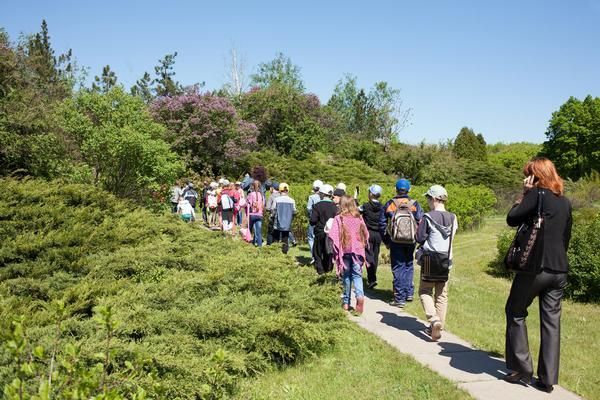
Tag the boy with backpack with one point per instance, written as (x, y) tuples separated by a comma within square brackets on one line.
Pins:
[(398, 223), (435, 234), (227, 200)]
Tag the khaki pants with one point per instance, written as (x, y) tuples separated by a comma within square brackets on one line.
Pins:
[(435, 305)]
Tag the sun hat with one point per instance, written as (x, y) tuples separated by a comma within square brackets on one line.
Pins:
[(403, 184), (284, 187), (437, 192), (376, 190), (317, 184), (326, 190)]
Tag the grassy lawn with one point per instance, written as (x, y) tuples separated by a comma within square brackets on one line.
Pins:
[(476, 311), (361, 366)]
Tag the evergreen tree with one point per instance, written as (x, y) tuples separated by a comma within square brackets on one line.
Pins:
[(143, 88), (105, 82), (470, 146), (166, 85)]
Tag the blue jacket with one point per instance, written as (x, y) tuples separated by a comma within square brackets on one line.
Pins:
[(387, 212)]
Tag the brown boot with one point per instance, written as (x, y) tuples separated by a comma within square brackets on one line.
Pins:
[(360, 305)]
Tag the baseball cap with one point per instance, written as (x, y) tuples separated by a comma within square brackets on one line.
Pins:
[(225, 182), (376, 190), (238, 183), (275, 185), (326, 190), (342, 186), (437, 192), (283, 187), (213, 185), (403, 184), (317, 184)]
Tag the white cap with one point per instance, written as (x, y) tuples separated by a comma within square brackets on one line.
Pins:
[(225, 182), (214, 184), (341, 185), (221, 180), (326, 189), (317, 184)]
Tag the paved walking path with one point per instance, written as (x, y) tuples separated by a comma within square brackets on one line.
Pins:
[(474, 370)]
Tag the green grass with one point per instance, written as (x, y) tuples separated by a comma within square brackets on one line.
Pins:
[(476, 311), (360, 366)]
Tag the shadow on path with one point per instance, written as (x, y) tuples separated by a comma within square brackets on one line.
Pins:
[(462, 358)]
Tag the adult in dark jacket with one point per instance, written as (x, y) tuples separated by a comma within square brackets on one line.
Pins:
[(371, 212), (401, 255), (320, 214), (548, 285)]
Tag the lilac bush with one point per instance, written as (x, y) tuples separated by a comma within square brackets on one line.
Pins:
[(206, 130)]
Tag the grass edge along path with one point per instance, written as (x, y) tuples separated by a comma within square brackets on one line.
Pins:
[(361, 365)]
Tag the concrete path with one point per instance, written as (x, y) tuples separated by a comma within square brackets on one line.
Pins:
[(473, 370)]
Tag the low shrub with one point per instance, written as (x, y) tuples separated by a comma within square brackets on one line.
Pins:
[(194, 311)]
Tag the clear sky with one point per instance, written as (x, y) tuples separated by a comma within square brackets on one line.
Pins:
[(500, 67)]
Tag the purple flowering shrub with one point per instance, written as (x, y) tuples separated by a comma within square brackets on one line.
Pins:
[(206, 130)]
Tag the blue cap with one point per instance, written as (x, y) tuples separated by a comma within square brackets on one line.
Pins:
[(275, 185), (403, 184), (376, 190)]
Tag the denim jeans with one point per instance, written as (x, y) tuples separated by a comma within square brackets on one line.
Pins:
[(310, 236), (256, 229), (402, 258), (352, 275)]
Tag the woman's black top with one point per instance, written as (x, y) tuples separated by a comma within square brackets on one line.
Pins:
[(557, 225)]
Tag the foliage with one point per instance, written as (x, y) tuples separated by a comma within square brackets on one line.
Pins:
[(584, 260), (574, 137), (189, 310), (165, 83), (106, 81), (375, 116), (513, 155), (469, 145), (143, 88), (206, 131), (585, 193), (280, 71), (119, 142), (288, 120), (32, 81)]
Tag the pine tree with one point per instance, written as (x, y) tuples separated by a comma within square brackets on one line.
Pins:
[(104, 83), (165, 84)]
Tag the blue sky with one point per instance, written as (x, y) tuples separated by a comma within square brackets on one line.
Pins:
[(499, 67)]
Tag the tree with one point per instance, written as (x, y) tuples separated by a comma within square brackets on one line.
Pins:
[(206, 130), (289, 121), (106, 81), (279, 71), (574, 137), (118, 141), (165, 83), (143, 88), (236, 74), (470, 146)]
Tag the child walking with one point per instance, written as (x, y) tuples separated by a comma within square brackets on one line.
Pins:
[(350, 238)]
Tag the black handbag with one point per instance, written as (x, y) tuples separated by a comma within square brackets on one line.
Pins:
[(526, 250), (435, 265)]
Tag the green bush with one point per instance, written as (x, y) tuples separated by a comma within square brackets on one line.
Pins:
[(584, 259), (196, 312)]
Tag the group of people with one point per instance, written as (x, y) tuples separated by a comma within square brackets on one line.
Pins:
[(347, 235)]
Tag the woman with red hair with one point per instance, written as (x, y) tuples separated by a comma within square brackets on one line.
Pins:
[(541, 183)]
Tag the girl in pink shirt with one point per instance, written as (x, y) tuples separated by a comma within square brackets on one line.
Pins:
[(255, 204), (350, 238)]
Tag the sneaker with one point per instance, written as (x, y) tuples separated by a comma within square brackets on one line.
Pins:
[(294, 243), (371, 285), (409, 298), (398, 304), (436, 330), (428, 331)]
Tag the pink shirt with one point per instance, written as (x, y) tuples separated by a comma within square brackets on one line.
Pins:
[(257, 199), (353, 227)]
